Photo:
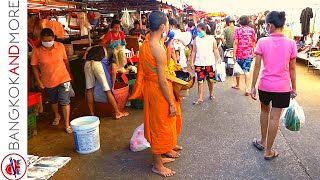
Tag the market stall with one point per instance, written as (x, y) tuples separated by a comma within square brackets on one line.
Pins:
[(81, 25), (55, 15)]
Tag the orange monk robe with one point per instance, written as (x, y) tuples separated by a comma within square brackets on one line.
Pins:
[(160, 130)]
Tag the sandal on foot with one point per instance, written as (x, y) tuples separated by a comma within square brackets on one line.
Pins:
[(274, 155), (124, 114), (235, 87), (247, 94), (212, 97), (197, 102), (56, 121), (258, 145), (69, 130)]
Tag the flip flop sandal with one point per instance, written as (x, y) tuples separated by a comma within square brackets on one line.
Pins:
[(124, 114), (69, 130), (235, 87), (247, 94), (212, 97), (197, 102), (258, 145), (275, 154), (56, 121)]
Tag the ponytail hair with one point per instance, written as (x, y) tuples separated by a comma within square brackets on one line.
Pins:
[(276, 18)]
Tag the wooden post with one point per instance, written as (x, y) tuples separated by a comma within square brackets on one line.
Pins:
[(89, 34)]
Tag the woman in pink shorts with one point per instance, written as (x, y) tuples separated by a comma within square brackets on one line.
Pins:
[(277, 82)]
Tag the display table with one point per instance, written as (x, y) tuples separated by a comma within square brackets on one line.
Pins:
[(313, 62)]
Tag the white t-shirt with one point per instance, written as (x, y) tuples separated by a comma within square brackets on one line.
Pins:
[(205, 55), (176, 43)]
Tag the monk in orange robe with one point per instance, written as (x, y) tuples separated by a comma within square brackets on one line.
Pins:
[(162, 112)]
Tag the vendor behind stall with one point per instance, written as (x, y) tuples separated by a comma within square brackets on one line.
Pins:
[(136, 30), (114, 40), (115, 37)]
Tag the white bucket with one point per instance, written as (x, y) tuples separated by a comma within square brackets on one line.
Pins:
[(86, 134)]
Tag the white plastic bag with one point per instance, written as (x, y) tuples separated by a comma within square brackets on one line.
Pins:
[(138, 142), (237, 70), (221, 72), (293, 117), (126, 20)]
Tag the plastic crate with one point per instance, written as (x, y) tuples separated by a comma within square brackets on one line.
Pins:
[(32, 110), (34, 98), (137, 104), (32, 125), (130, 83)]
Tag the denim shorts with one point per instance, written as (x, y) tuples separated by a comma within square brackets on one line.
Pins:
[(59, 94), (245, 64)]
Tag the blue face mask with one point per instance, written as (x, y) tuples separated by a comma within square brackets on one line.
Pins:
[(201, 34)]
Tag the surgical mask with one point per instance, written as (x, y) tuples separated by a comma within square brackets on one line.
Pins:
[(48, 44), (266, 29), (201, 34), (164, 35)]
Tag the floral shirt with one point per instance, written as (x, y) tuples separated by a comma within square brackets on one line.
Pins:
[(246, 37)]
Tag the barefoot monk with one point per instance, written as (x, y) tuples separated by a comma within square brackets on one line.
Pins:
[(162, 113)]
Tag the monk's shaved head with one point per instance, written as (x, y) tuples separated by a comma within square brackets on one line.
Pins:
[(156, 19)]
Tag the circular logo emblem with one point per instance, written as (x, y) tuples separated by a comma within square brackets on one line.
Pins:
[(13, 166)]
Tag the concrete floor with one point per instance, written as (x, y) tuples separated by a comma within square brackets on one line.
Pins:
[(216, 138)]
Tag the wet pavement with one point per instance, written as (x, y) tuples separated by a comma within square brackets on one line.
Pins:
[(216, 138)]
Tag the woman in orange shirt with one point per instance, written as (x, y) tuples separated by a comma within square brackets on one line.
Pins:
[(52, 73)]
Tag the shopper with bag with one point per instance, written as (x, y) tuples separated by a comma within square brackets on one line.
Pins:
[(278, 55), (243, 48), (205, 56)]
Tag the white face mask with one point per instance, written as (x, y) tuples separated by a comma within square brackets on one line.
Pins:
[(48, 44), (164, 35)]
